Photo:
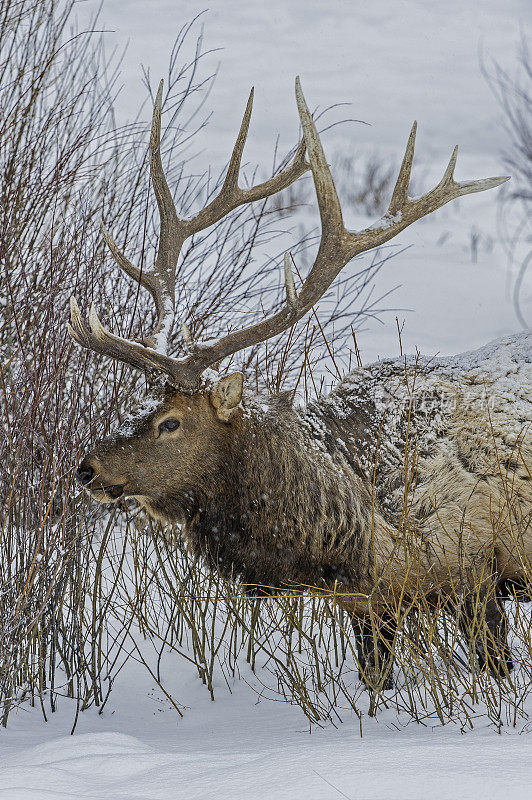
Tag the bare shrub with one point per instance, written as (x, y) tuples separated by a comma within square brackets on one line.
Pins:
[(514, 93), (63, 164)]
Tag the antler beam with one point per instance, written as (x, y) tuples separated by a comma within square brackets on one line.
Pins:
[(337, 247)]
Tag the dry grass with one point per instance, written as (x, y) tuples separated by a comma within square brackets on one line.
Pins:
[(147, 597)]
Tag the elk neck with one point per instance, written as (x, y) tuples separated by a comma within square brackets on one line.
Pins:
[(291, 507)]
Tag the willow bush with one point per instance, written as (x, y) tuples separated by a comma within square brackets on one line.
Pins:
[(83, 588)]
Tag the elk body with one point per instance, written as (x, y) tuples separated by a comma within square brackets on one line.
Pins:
[(410, 478)]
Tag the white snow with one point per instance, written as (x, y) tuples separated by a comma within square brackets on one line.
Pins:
[(235, 748), (129, 424), (386, 222), (394, 61)]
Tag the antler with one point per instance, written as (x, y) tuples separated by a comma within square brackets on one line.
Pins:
[(160, 281), (337, 247)]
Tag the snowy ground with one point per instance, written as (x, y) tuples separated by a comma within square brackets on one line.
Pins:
[(263, 756), (235, 748), (395, 61)]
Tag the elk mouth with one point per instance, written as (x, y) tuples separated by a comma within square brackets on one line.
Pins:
[(114, 492)]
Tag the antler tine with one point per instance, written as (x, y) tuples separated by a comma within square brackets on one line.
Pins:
[(291, 295), (143, 277), (231, 195), (458, 189), (187, 336), (173, 230), (448, 175), (231, 179), (328, 202), (146, 278), (400, 192)]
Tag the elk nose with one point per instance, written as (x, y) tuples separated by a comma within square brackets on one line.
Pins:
[(84, 474)]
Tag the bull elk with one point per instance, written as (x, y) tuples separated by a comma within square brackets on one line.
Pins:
[(411, 478)]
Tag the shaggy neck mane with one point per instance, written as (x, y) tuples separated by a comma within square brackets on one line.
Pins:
[(288, 510)]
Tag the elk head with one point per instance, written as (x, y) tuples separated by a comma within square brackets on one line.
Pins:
[(181, 437), (170, 452)]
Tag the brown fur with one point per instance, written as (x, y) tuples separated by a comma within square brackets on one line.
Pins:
[(410, 478), (286, 498)]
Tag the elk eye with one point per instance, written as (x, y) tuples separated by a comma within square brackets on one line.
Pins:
[(169, 425)]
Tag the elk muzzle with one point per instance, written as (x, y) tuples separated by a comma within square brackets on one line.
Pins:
[(103, 487)]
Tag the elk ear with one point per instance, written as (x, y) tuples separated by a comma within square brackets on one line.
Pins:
[(226, 395)]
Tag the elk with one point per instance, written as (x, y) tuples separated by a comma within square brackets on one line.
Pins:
[(411, 478)]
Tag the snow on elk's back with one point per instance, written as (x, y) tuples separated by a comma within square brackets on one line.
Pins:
[(401, 409), (498, 375), (505, 364)]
